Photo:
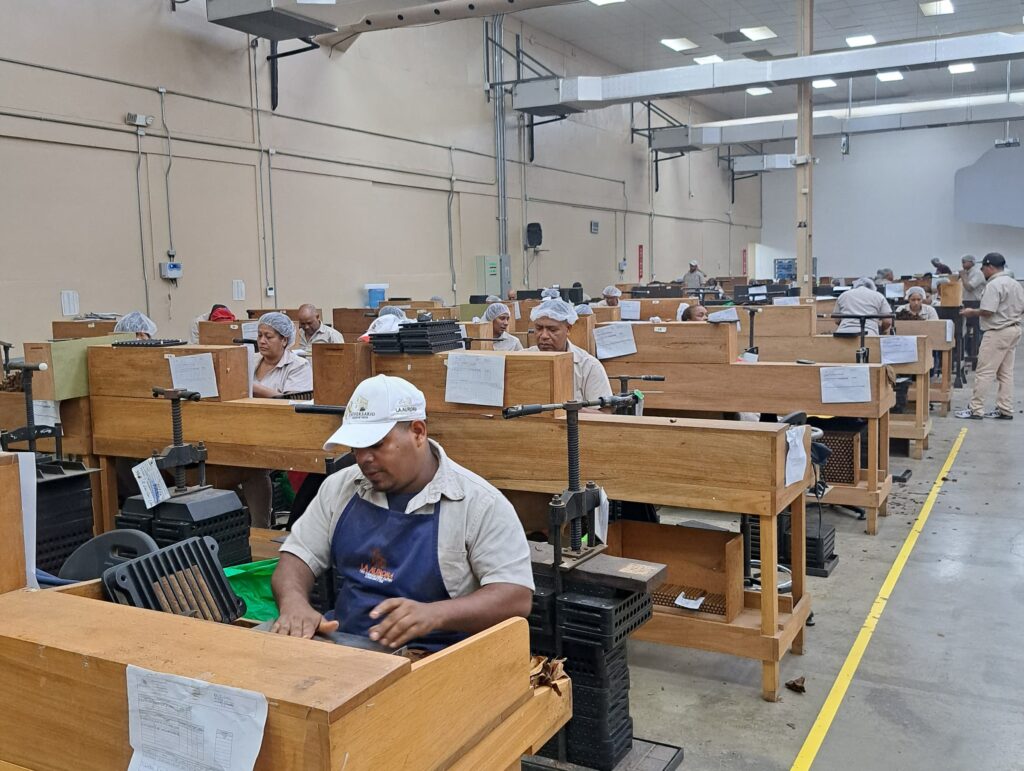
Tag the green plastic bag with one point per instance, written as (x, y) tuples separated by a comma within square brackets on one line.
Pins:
[(251, 582)]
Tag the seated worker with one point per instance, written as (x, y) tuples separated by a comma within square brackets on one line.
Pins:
[(278, 370), (500, 317), (425, 551), (389, 318), (217, 313), (313, 330), (551, 321), (137, 322), (916, 308), (694, 313), (863, 299), (611, 295)]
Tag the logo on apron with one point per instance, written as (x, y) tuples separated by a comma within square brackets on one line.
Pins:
[(377, 569)]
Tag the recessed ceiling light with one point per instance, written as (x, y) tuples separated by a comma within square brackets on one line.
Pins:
[(961, 68), (826, 83), (713, 59), (759, 91), (889, 77), (757, 33), (860, 40), (679, 43), (606, 2), (939, 8)]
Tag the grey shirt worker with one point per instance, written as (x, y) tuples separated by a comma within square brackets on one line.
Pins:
[(694, 279), (974, 283), (507, 342), (589, 380), (861, 301), (325, 334), (480, 540)]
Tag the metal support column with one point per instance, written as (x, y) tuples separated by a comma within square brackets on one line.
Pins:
[(500, 158), (804, 150)]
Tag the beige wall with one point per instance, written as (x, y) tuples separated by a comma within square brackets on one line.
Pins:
[(360, 170)]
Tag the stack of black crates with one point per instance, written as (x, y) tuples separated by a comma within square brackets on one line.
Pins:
[(595, 623)]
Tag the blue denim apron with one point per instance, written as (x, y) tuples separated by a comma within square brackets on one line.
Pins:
[(378, 554)]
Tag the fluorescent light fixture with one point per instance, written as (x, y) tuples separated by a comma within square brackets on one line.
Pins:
[(961, 68), (890, 76), (678, 43), (759, 91), (940, 8), (757, 33), (606, 2), (826, 83), (858, 41), (713, 59)]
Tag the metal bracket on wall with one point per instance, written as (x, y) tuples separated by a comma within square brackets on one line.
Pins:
[(733, 176), (653, 111), (274, 56)]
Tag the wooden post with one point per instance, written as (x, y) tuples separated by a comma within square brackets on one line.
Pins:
[(874, 448), (769, 604), (804, 150), (798, 559), (106, 480)]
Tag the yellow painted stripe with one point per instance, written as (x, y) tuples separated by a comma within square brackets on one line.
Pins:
[(809, 750)]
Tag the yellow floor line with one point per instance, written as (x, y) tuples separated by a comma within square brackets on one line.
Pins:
[(809, 750)]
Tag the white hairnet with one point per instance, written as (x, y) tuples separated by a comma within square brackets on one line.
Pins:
[(612, 291), (437, 298), (384, 324), (865, 282), (136, 321), (550, 294), (496, 309), (584, 310), (556, 309), (492, 298), (280, 323), (392, 310), (916, 290)]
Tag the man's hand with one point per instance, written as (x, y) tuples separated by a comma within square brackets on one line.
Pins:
[(404, 620), (301, 620)]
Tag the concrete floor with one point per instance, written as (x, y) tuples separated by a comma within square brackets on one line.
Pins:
[(941, 685)]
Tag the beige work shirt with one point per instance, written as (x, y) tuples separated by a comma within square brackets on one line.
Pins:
[(604, 304), (293, 374), (507, 342), (927, 312), (974, 283), (1005, 298), (862, 301), (325, 334), (589, 380), (480, 540)]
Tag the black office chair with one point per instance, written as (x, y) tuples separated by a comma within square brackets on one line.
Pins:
[(104, 551)]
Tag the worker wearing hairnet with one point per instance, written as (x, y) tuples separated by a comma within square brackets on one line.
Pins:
[(611, 295), (500, 317), (137, 322), (550, 294), (278, 369), (551, 321), (916, 308), (863, 300)]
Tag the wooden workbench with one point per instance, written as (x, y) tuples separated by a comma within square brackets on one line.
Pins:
[(698, 361), (942, 340)]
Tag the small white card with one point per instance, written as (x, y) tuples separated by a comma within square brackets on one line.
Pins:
[(237, 289), (949, 330), (250, 330), (894, 291), (898, 349), (46, 413), (516, 311), (194, 373), (69, 302), (151, 483), (748, 357), (759, 290), (849, 384), (475, 379), (630, 310), (785, 301), (690, 604), (796, 455), (729, 315), (614, 340)]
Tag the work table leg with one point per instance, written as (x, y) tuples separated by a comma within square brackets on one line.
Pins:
[(920, 416), (874, 447), (769, 605), (107, 482), (947, 382), (798, 559)]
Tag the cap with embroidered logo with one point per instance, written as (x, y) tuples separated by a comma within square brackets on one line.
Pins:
[(377, 405)]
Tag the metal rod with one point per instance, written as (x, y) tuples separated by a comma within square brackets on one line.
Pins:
[(167, 175), (178, 440), (142, 232), (30, 411)]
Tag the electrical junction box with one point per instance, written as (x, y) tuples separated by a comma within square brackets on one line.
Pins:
[(171, 270), (488, 274)]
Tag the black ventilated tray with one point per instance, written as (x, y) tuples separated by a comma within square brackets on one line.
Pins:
[(604, 621), (186, 579), (596, 703), (595, 667), (154, 343)]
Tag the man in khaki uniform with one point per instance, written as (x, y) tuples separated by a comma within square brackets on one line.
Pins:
[(1002, 306)]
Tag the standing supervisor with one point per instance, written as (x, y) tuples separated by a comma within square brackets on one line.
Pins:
[(694, 278), (551, 321), (1002, 305), (426, 551), (313, 330)]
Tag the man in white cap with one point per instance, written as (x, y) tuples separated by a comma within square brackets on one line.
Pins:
[(424, 551), (694, 278), (551, 321), (611, 295)]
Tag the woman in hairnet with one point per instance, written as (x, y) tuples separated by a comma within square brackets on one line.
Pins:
[(916, 308), (137, 322), (500, 317), (611, 295), (278, 369)]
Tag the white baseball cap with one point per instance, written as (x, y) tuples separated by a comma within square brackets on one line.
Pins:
[(377, 405), (693, 263)]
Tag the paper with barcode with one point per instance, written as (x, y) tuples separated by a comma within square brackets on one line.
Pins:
[(182, 724), (151, 483)]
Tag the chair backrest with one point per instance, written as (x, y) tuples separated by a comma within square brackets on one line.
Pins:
[(90, 559)]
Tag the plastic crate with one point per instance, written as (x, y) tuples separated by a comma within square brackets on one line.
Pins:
[(595, 667), (601, 756), (64, 519), (595, 703), (603, 621)]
